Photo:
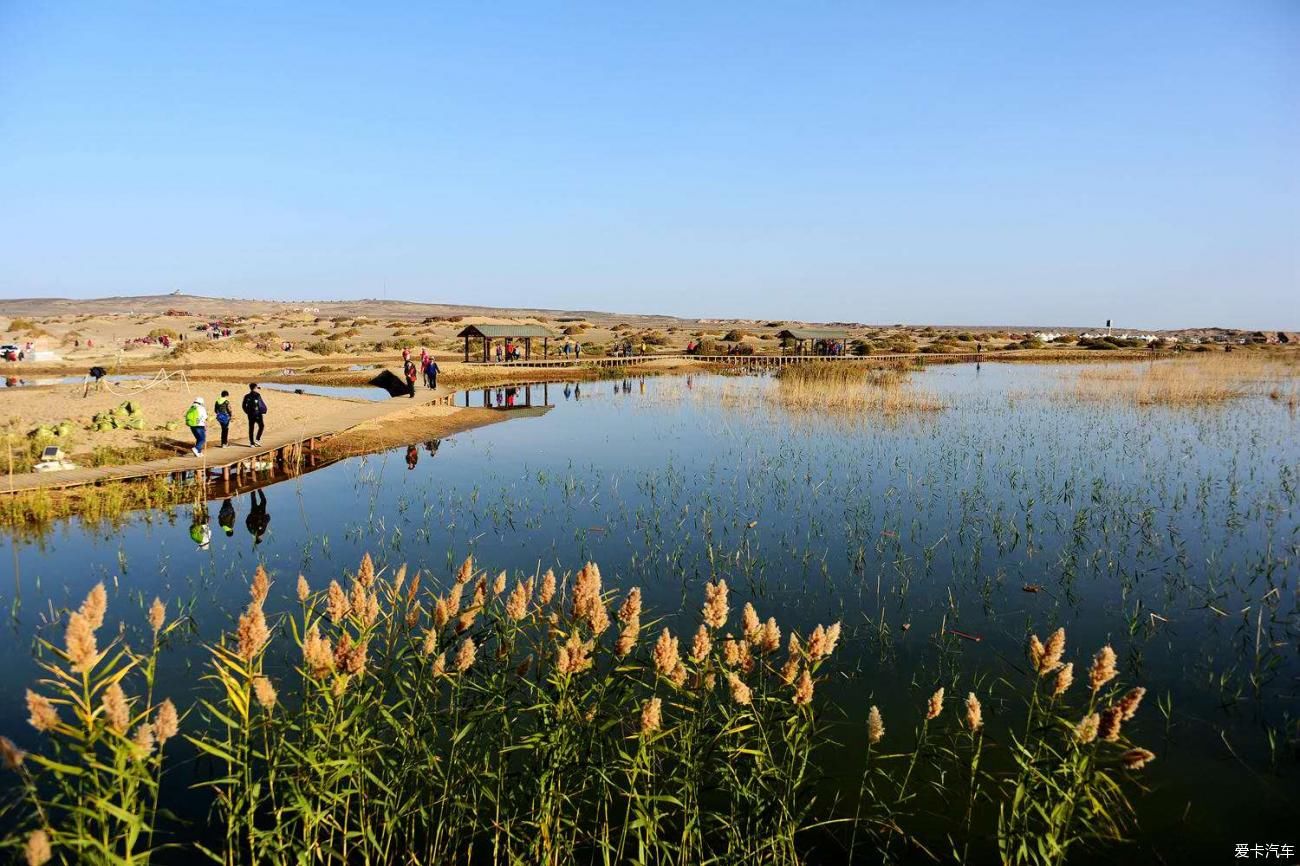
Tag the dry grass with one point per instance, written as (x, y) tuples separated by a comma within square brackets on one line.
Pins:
[(840, 386), (1201, 380)]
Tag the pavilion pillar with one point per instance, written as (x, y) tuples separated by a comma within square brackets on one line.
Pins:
[(467, 348), (546, 347), (528, 348)]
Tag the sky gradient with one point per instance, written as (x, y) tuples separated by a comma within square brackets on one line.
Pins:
[(971, 163)]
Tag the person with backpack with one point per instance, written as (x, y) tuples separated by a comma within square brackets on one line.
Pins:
[(411, 374), (255, 408), (221, 408), (431, 372), (196, 418)]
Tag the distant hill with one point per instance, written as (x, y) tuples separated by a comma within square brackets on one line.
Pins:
[(144, 305)]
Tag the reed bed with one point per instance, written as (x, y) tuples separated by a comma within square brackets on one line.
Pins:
[(841, 386), (1205, 379), (543, 720)]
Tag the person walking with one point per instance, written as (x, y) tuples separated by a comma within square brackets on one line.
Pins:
[(196, 418), (410, 378), (221, 408), (431, 372), (255, 408), (577, 351)]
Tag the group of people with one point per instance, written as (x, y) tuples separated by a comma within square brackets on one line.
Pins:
[(426, 368), (575, 348), (510, 351), (253, 406)]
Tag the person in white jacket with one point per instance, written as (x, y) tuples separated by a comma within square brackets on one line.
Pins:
[(196, 418)]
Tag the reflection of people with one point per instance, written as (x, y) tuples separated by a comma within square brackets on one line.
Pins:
[(226, 517), (200, 531), (567, 390), (432, 445), (412, 456), (257, 520), (577, 390)]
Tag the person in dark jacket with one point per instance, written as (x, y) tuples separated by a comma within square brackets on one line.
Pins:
[(255, 408), (431, 372)]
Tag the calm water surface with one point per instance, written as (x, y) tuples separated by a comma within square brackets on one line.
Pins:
[(1173, 534)]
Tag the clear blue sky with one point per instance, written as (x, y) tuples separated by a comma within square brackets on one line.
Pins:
[(998, 163)]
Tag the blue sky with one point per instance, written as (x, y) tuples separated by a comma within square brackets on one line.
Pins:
[(981, 163)]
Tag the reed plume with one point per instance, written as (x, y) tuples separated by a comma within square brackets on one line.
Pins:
[(366, 573), (79, 640), (1064, 679), (935, 707), (701, 645), (144, 739), (574, 656), (875, 726), (37, 849), (465, 655), (264, 692), (42, 714), (336, 603), (157, 615), (651, 716), (441, 613), (1086, 730), (665, 654), (1103, 668), (715, 604), (304, 589), (95, 606), (1047, 658), (974, 713), (740, 693), (252, 633), (166, 722), (790, 670), (751, 627), (11, 755), (499, 585), (430, 645), (440, 665), (261, 586), (803, 692), (630, 609), (117, 715), (466, 571), (1129, 704), (769, 637), (317, 654), (547, 590), (517, 604), (1111, 719), (1136, 759)]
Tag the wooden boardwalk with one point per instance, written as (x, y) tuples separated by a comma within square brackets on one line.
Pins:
[(229, 465)]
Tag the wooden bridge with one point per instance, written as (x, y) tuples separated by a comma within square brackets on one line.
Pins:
[(231, 469)]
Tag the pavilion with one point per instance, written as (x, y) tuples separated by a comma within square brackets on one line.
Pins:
[(800, 336), (516, 332)]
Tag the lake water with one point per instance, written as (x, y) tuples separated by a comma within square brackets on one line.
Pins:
[(1172, 534)]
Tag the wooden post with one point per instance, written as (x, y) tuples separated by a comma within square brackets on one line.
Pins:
[(467, 348), (528, 348), (546, 348)]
